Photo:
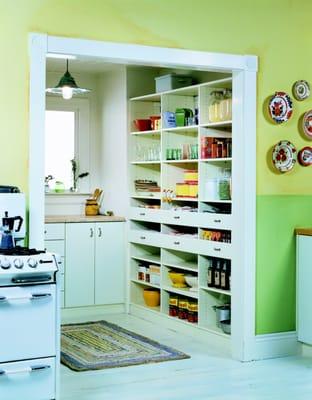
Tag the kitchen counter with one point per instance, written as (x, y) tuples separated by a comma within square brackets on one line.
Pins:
[(303, 231), (53, 219)]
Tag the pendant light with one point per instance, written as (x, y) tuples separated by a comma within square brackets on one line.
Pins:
[(67, 86)]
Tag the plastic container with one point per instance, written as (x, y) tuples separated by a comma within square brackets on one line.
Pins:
[(143, 124), (151, 297), (169, 119), (172, 81), (211, 189)]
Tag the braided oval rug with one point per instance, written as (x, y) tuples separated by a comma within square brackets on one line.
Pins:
[(101, 344)]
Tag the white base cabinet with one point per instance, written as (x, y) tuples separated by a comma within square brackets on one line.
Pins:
[(94, 261)]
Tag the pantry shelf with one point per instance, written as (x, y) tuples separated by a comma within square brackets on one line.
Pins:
[(216, 124), (179, 161), (212, 160), (189, 128), (183, 292), (150, 133), (185, 266), (146, 196), (215, 290), (144, 283), (152, 259), (144, 162)]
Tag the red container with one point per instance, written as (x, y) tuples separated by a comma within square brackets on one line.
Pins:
[(143, 124)]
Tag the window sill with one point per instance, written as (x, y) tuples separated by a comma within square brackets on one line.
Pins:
[(66, 194)]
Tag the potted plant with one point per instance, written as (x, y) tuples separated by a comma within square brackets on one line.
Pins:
[(76, 175)]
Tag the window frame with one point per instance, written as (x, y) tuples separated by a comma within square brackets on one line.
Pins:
[(81, 108)]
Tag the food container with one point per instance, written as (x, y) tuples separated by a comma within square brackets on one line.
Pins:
[(154, 274), (211, 189), (223, 313), (173, 305), (155, 122), (172, 81), (143, 124), (182, 190), (183, 309), (91, 207), (190, 175), (192, 315), (151, 297), (169, 119), (193, 189), (226, 326), (177, 279), (141, 272)]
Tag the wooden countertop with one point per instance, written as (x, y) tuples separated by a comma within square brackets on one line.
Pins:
[(303, 231), (52, 219)]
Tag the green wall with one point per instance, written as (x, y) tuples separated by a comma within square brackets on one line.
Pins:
[(278, 32)]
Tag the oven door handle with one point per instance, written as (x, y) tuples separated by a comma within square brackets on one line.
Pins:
[(33, 368), (35, 279), (33, 296)]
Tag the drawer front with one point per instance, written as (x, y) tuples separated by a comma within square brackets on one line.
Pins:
[(145, 214), (54, 231), (179, 218), (145, 237), (215, 249), (216, 221), (28, 380), (55, 246), (180, 243)]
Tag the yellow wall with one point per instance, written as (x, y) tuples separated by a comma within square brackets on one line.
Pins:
[(279, 32)]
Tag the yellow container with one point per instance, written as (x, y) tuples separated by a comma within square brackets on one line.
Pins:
[(151, 297), (190, 175), (92, 207), (193, 189), (182, 190)]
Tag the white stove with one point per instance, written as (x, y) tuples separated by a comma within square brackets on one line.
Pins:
[(29, 325)]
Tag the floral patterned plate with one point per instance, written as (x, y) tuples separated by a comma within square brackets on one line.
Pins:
[(284, 156), (307, 124), (280, 107), (305, 156), (301, 90)]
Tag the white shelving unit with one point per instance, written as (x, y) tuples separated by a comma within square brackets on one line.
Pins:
[(165, 233)]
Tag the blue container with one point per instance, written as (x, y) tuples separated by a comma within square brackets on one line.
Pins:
[(169, 119)]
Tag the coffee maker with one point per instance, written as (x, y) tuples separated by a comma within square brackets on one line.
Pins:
[(12, 217)]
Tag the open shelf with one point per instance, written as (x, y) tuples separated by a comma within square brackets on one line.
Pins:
[(143, 283), (183, 292), (150, 258)]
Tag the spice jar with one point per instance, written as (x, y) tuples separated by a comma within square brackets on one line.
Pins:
[(183, 308), (192, 312), (141, 272), (173, 305)]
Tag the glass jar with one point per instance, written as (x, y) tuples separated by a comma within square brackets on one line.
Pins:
[(173, 305), (192, 312), (226, 106), (225, 185), (214, 107)]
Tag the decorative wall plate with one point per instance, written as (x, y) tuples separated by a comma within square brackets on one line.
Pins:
[(305, 156), (301, 90), (280, 107), (307, 124), (284, 156)]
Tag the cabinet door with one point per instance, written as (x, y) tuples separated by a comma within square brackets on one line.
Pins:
[(110, 263), (79, 253)]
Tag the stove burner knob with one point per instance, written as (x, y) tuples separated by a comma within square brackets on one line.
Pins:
[(18, 263), (32, 263), (5, 264)]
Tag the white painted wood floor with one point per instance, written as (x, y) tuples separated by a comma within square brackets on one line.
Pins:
[(206, 375)]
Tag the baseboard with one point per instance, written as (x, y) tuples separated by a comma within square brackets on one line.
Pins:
[(213, 339), (275, 345), (92, 313)]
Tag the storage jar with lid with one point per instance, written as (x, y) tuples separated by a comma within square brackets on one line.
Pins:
[(214, 107)]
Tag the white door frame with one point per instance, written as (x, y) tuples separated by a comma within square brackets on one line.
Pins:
[(244, 69)]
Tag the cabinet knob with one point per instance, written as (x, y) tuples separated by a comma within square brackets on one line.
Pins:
[(216, 249), (91, 232), (142, 214), (142, 237), (100, 232), (176, 217), (177, 243)]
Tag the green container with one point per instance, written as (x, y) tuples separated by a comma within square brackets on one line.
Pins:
[(180, 116)]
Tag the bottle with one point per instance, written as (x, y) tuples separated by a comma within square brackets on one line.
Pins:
[(211, 274), (217, 275), (224, 276), (224, 185)]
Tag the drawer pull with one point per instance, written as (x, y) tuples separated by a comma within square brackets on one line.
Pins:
[(217, 220), (33, 368), (91, 232), (216, 249), (142, 214), (143, 237), (177, 243), (176, 217), (100, 232)]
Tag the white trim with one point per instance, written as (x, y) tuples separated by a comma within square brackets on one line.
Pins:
[(244, 69), (275, 345), (92, 313)]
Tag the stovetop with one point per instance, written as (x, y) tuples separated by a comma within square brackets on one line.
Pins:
[(20, 251)]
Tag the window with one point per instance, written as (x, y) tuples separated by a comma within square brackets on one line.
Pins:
[(67, 138), (60, 145)]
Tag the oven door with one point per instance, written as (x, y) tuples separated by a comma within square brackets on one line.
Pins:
[(28, 322)]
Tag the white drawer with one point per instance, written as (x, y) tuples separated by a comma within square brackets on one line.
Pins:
[(214, 249), (146, 237), (54, 231), (145, 214), (55, 246), (208, 220), (179, 217), (180, 243), (28, 380)]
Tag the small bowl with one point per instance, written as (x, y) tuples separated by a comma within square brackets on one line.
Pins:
[(192, 281), (226, 326), (178, 279), (143, 124)]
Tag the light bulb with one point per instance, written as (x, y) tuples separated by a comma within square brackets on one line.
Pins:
[(67, 92)]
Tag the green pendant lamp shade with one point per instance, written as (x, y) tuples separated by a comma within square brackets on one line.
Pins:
[(67, 86)]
